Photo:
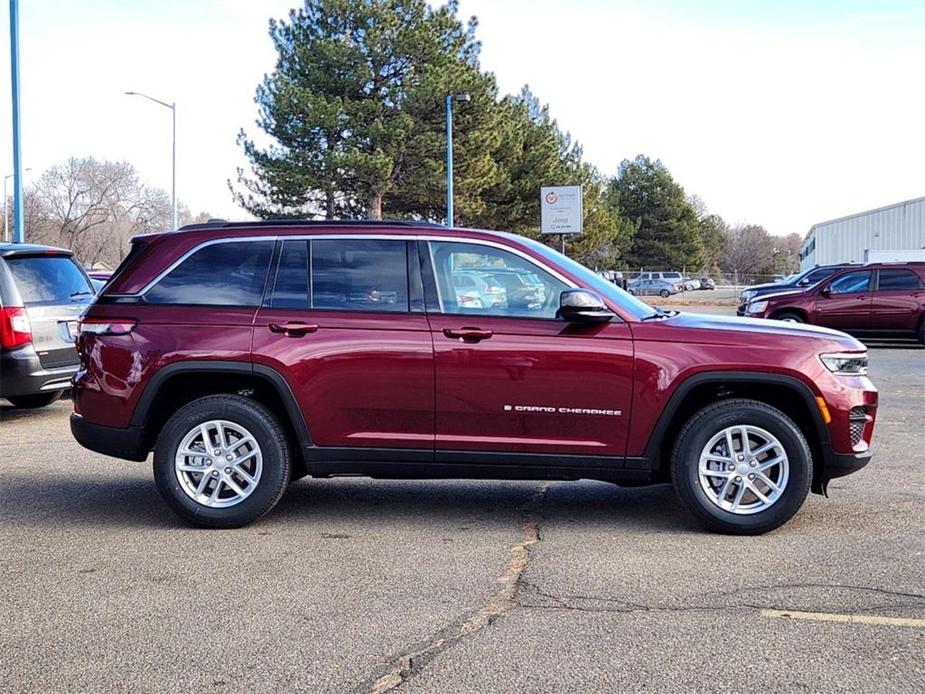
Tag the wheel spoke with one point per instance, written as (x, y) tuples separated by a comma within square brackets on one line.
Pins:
[(245, 474), (730, 444), (215, 490), (235, 487), (192, 468), (767, 480), (738, 497), (769, 464), (746, 448), (763, 449), (245, 457), (201, 487), (206, 439), (754, 490), (222, 438)]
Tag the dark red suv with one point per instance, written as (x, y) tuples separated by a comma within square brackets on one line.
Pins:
[(882, 299), (247, 355)]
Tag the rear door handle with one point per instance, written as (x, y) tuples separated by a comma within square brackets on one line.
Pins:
[(467, 334), (293, 328)]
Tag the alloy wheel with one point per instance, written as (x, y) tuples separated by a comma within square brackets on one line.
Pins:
[(743, 469), (218, 464)]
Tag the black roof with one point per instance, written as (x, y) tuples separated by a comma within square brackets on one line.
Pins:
[(224, 224)]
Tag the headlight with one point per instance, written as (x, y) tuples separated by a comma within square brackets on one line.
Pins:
[(756, 307), (846, 363), (747, 294)]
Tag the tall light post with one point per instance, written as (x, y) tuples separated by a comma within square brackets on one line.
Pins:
[(449, 153), (173, 184), (6, 218), (17, 148)]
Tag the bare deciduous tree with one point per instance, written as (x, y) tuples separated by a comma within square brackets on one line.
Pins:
[(93, 207)]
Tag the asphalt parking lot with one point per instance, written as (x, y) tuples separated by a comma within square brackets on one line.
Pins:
[(459, 586)]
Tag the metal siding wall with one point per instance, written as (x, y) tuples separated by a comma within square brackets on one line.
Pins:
[(901, 227)]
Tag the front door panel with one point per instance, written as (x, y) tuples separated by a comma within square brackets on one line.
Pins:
[(540, 386)]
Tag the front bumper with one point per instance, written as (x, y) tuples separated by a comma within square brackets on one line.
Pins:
[(841, 464), (21, 373), (129, 443)]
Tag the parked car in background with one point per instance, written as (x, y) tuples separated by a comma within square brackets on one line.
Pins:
[(690, 284), (43, 291), (795, 283), (662, 288), (489, 291), (877, 299), (675, 278), (707, 283), (237, 353)]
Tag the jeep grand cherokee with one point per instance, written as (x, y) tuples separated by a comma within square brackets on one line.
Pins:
[(246, 355)]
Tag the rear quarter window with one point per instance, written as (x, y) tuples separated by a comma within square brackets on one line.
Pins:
[(49, 279), (230, 273)]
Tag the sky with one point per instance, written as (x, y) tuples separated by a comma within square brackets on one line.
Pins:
[(783, 113)]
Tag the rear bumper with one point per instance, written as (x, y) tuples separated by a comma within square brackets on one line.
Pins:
[(129, 443), (21, 373)]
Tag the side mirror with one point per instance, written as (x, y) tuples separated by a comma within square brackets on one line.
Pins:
[(583, 306), (825, 291)]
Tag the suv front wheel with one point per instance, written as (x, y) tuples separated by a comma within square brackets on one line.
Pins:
[(222, 461), (742, 467)]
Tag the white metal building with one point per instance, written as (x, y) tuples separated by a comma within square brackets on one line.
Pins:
[(899, 227)]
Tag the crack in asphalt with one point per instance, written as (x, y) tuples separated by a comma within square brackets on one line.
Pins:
[(567, 602), (409, 663), (514, 589)]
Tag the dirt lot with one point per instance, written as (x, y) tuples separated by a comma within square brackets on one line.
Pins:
[(459, 586)]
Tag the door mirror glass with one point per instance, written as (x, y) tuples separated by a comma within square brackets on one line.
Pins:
[(825, 291), (582, 305)]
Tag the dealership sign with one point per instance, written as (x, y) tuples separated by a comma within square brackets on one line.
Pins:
[(560, 210)]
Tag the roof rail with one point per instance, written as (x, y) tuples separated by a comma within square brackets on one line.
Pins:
[(224, 224)]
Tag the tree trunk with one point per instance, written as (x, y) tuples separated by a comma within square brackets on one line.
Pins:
[(374, 205), (329, 204)]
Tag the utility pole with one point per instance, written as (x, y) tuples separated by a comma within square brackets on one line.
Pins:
[(449, 153), (18, 216)]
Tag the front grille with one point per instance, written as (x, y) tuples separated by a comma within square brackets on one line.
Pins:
[(857, 418)]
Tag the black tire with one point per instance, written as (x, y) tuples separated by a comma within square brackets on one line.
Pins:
[(274, 448), (33, 402), (664, 293), (790, 316), (709, 421)]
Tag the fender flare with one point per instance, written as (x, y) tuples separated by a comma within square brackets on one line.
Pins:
[(792, 383), (265, 373)]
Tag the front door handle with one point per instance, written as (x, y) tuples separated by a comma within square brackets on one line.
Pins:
[(467, 334), (293, 328)]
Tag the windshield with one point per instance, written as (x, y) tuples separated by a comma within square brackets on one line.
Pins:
[(628, 302)]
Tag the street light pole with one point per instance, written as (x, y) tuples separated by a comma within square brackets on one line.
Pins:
[(449, 153), (18, 230), (6, 217), (173, 177)]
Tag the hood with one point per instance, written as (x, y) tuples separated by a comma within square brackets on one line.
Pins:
[(759, 326), (765, 296)]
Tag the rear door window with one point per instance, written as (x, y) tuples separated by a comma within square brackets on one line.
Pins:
[(230, 273), (898, 280), (49, 279), (290, 290), (359, 275)]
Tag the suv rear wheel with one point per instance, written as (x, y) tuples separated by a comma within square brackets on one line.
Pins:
[(222, 461), (741, 467), (32, 402)]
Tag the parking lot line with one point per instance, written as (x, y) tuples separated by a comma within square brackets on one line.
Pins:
[(873, 620)]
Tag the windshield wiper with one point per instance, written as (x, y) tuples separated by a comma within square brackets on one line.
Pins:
[(83, 293)]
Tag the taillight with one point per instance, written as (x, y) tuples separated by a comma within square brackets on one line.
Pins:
[(122, 326), (15, 330)]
